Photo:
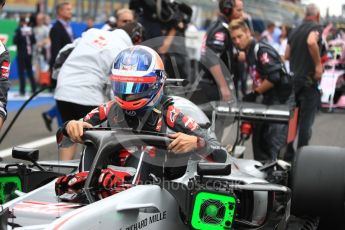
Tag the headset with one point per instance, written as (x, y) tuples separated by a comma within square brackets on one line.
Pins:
[(226, 6), (137, 33)]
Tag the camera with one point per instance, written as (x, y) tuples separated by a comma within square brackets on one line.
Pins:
[(182, 15), (172, 14)]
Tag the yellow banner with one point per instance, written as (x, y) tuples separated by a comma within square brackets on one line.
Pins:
[(21, 2)]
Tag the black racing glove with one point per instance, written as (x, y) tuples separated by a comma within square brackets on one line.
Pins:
[(73, 182), (111, 178), (61, 184), (250, 97)]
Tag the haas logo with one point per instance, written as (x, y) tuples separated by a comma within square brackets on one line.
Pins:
[(190, 123), (5, 69), (100, 42)]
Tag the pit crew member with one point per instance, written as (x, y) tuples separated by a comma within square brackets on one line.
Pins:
[(275, 87)]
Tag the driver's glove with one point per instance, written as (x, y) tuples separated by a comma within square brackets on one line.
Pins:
[(61, 185), (111, 178), (73, 182)]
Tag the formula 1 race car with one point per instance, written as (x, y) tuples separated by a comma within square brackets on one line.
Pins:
[(332, 85), (199, 194)]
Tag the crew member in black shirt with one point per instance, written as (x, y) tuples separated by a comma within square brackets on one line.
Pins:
[(275, 87), (217, 55), (304, 51)]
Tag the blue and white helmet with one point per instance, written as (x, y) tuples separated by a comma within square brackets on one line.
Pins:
[(138, 77)]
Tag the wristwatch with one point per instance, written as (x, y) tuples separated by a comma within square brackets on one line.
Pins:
[(200, 143)]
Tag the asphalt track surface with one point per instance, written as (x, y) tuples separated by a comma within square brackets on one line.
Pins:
[(29, 129)]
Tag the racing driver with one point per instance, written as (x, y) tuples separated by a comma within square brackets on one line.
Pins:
[(138, 78), (4, 73)]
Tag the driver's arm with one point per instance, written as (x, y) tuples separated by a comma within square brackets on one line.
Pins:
[(74, 129), (189, 135), (70, 132)]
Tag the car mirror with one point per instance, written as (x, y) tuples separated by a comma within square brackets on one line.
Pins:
[(26, 154), (213, 169)]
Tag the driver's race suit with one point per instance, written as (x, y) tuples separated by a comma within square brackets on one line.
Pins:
[(4, 82), (165, 115)]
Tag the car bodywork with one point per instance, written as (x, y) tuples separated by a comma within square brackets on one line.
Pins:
[(156, 206), (168, 204)]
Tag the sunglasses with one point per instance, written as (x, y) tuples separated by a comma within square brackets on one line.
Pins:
[(126, 21)]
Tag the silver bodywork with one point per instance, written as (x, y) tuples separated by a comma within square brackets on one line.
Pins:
[(140, 207)]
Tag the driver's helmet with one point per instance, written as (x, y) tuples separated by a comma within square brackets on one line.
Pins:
[(138, 78)]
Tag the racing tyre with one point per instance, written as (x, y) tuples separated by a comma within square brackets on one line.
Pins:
[(317, 184), (303, 223)]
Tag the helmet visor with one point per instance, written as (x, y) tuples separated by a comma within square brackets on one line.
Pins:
[(124, 85)]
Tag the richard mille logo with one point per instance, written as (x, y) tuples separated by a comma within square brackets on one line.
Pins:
[(147, 221)]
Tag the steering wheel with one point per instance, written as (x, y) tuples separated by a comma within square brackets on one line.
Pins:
[(106, 142)]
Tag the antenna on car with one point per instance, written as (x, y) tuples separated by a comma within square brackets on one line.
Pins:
[(176, 81)]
